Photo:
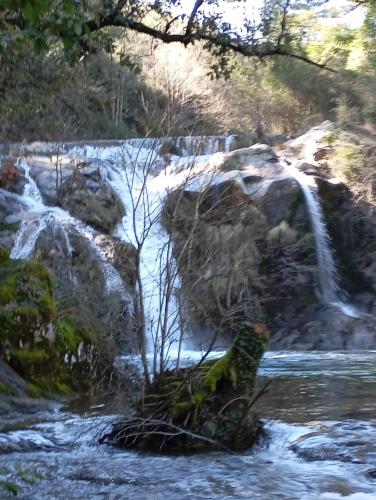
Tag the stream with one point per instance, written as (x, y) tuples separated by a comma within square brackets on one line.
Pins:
[(320, 418)]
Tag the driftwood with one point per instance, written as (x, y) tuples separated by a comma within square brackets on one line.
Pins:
[(207, 406)]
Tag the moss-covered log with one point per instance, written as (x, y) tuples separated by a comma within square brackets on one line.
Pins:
[(205, 406)]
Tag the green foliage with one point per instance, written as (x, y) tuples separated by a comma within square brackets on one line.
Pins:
[(349, 162), (118, 88)]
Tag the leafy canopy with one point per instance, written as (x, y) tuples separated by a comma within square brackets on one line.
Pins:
[(74, 22)]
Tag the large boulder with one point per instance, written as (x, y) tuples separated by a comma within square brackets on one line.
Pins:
[(243, 240), (55, 351), (49, 172), (79, 186), (95, 276), (91, 201)]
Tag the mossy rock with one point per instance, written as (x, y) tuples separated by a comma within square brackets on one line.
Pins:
[(205, 406), (55, 353), (27, 305)]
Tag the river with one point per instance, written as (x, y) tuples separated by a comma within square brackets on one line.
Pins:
[(320, 417)]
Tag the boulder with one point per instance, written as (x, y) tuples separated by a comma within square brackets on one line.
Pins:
[(95, 277), (94, 203), (251, 251), (259, 156), (169, 147), (240, 141), (53, 350), (277, 200), (49, 172)]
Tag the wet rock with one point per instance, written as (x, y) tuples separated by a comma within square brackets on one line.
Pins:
[(240, 141), (92, 202), (49, 172), (83, 268), (55, 352), (241, 227), (277, 200), (169, 147), (257, 156)]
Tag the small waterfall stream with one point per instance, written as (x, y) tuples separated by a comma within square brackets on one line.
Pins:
[(329, 279), (37, 216)]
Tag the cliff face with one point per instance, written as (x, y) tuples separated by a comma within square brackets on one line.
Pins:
[(67, 292), (253, 251)]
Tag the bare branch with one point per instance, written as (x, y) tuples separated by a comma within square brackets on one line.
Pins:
[(221, 41)]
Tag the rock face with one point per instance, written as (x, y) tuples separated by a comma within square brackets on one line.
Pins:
[(88, 280), (91, 201), (55, 351), (246, 248), (66, 313), (243, 237), (250, 252), (79, 186)]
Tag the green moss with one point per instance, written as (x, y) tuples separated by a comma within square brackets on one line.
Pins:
[(69, 334), (34, 341), (73, 331), (6, 389), (4, 256), (33, 357), (331, 138), (26, 299), (50, 386), (10, 488), (33, 391), (348, 161), (222, 368), (212, 399)]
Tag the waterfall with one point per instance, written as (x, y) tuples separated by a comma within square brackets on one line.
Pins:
[(37, 216), (141, 179), (329, 278)]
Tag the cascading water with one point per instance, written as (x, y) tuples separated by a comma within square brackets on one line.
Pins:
[(37, 216), (329, 279), (138, 174)]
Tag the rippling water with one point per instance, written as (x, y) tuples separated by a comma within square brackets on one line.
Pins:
[(320, 413)]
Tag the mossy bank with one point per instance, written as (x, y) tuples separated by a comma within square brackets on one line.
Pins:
[(56, 352)]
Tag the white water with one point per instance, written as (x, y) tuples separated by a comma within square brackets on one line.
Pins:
[(320, 412), (142, 180), (37, 216), (329, 279)]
